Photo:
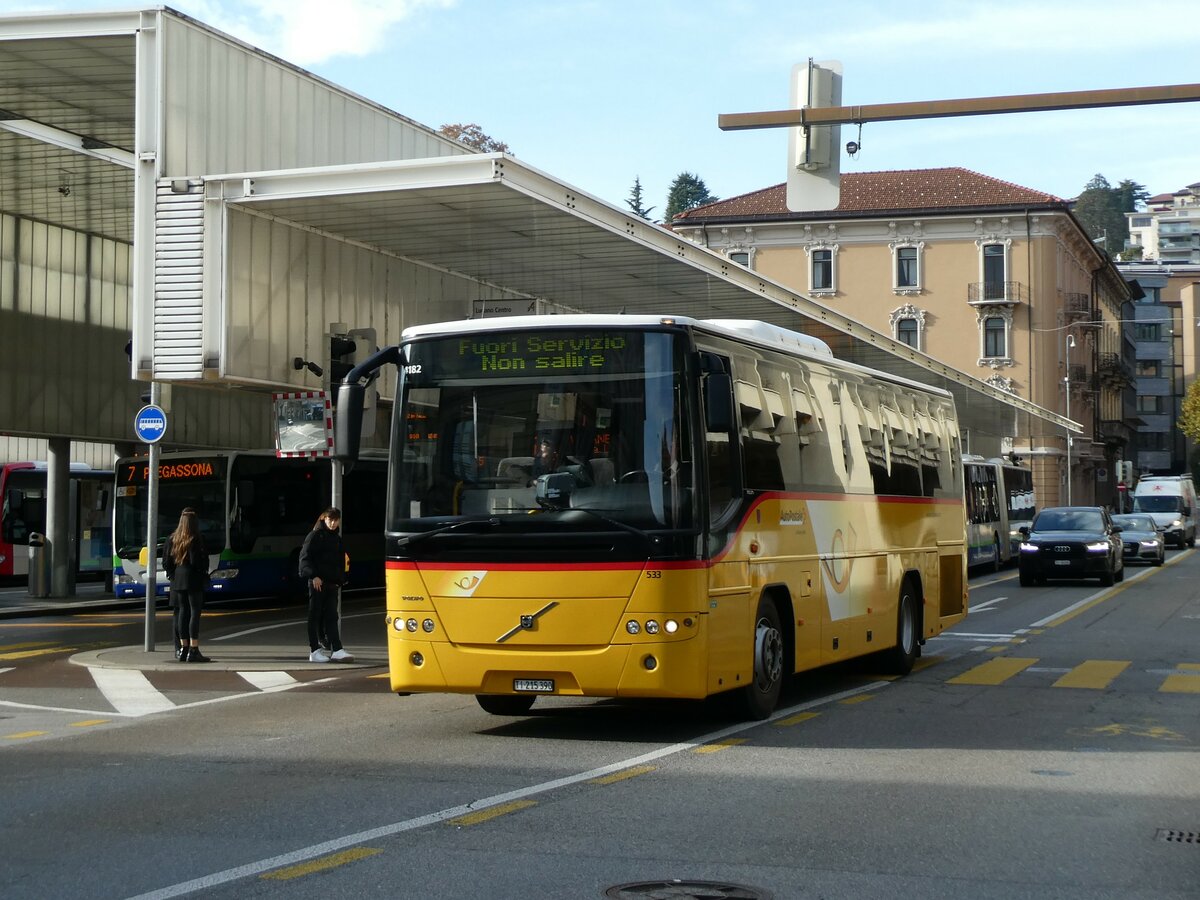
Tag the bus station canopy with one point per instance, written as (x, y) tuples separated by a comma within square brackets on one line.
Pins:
[(500, 222)]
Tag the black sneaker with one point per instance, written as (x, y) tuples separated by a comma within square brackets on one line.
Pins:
[(195, 656)]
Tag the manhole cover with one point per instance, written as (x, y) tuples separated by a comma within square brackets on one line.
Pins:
[(678, 889)]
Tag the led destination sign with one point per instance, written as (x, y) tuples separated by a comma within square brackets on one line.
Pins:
[(529, 353), (184, 470)]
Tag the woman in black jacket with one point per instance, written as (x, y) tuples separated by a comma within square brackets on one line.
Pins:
[(323, 563), (185, 560)]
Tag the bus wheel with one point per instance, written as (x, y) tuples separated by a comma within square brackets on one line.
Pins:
[(900, 658), (505, 704), (761, 696), (996, 547)]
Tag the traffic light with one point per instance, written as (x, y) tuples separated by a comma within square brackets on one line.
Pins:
[(341, 359)]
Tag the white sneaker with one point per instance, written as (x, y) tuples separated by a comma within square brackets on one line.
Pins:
[(318, 655), (341, 656)]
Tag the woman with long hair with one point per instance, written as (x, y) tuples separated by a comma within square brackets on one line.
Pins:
[(323, 564), (185, 559)]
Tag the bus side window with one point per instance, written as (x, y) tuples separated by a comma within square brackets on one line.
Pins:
[(723, 482)]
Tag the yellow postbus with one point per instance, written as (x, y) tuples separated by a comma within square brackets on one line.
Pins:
[(643, 506)]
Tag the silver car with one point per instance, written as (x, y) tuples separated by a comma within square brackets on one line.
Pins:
[(1143, 539)]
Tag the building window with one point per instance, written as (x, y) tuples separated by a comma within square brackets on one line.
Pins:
[(741, 257), (822, 270), (906, 333), (994, 271), (995, 344), (906, 268), (1151, 440), (908, 326), (1151, 331), (1151, 405), (1149, 368)]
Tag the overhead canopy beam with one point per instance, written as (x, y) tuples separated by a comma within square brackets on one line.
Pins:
[(48, 134), (971, 106)]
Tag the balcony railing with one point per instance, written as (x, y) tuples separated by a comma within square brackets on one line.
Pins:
[(1077, 306), (988, 293)]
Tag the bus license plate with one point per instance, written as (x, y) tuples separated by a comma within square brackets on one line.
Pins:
[(534, 685)]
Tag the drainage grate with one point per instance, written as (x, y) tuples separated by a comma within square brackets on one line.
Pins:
[(1171, 836), (678, 889)]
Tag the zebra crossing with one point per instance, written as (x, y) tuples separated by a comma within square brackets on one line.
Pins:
[(1088, 674)]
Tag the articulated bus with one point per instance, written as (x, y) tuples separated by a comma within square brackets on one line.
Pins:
[(635, 506), (255, 510), (23, 492), (1000, 501)]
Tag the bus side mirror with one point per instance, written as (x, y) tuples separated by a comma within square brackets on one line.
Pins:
[(347, 422), (718, 403)]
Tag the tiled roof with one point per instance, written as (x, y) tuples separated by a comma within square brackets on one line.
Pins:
[(867, 192)]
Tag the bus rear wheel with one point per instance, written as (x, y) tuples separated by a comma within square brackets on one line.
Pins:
[(761, 696), (505, 704), (901, 657)]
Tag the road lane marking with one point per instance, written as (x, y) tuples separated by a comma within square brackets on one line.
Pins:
[(320, 865), (986, 605), (492, 812), (796, 719), (1094, 674), (1066, 614), (88, 723), (266, 681), (861, 698), (30, 654), (1187, 681), (27, 734), (994, 671), (334, 845), (130, 692), (718, 746), (621, 776)]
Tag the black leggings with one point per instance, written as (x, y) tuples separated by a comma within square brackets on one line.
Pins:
[(188, 604), (323, 611)]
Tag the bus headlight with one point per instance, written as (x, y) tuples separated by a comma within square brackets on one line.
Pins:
[(671, 626), (398, 624), (411, 624), (225, 573), (651, 626), (123, 579), (633, 627), (427, 625)]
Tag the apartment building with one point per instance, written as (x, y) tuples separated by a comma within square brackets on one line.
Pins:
[(992, 278), (1168, 229)]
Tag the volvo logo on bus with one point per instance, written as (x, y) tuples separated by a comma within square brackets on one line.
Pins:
[(527, 622)]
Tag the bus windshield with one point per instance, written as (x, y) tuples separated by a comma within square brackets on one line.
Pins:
[(583, 428)]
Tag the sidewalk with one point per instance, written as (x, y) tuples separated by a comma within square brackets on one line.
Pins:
[(275, 647)]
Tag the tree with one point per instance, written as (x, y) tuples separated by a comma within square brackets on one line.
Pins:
[(635, 200), (1189, 416), (473, 136), (687, 192), (1101, 209)]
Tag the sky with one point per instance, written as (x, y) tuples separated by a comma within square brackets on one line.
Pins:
[(598, 93)]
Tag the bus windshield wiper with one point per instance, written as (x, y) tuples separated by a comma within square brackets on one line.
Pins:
[(490, 521), (652, 539)]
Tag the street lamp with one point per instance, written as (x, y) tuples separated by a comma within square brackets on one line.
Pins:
[(1069, 342)]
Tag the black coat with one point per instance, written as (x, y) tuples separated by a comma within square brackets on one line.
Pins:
[(192, 573), (323, 556)]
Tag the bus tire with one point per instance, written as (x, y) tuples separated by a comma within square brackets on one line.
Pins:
[(901, 657), (505, 704), (996, 547), (761, 696)]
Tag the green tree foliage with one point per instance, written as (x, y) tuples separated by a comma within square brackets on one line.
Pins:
[(635, 200), (1101, 209), (687, 192), (1189, 416), (473, 136)]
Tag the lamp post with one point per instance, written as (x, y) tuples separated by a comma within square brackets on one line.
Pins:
[(1069, 343)]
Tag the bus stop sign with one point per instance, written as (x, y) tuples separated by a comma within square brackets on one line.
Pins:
[(150, 424)]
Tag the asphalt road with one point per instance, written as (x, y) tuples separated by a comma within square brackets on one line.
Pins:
[(1049, 747)]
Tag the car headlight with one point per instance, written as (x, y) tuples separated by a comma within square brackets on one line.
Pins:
[(1178, 523), (1028, 548), (1149, 544), (1098, 547)]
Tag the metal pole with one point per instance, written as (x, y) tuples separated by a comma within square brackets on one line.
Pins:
[(152, 533), (1069, 342)]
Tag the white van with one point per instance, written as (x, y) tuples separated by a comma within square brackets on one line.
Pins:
[(1171, 502)]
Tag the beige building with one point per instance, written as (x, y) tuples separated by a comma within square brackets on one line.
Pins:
[(991, 278)]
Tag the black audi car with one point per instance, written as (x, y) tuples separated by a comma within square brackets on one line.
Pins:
[(1072, 542)]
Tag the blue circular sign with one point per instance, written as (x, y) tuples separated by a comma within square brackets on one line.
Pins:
[(150, 424)]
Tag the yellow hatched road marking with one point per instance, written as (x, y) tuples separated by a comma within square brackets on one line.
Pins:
[(492, 812), (89, 722), (26, 645), (797, 719), (27, 734), (861, 698), (26, 654), (994, 671), (1188, 682), (57, 625), (718, 746), (926, 661), (1093, 673), (621, 776), (321, 864)]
